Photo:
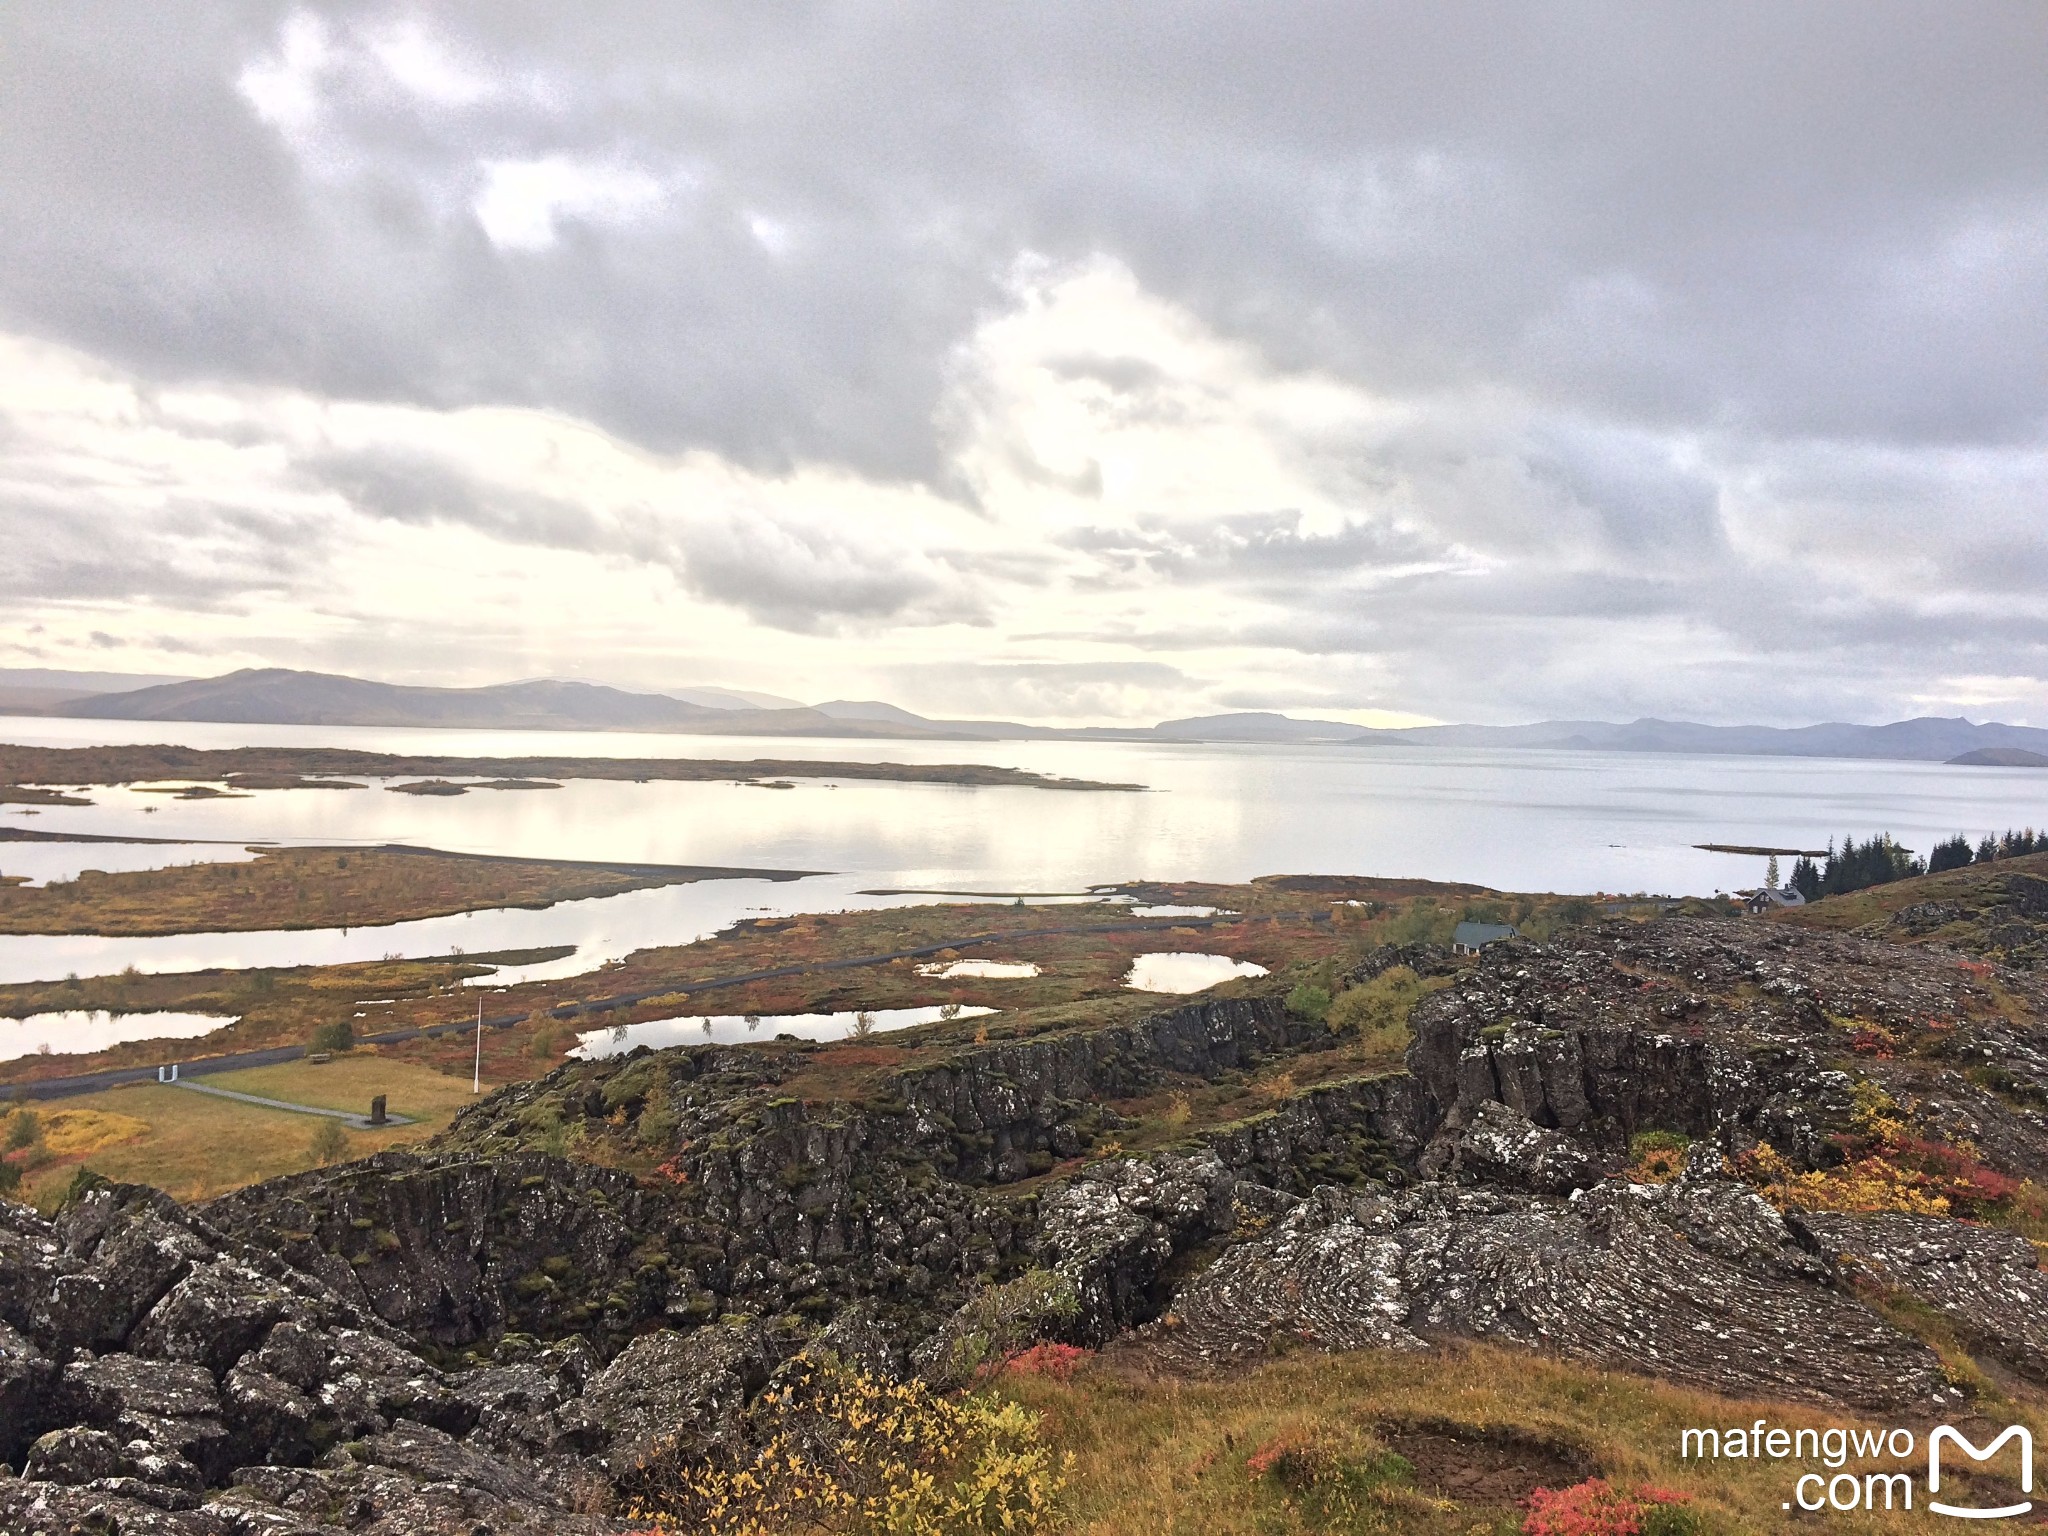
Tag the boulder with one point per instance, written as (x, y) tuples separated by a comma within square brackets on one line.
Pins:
[(215, 1314), (1503, 1146), (172, 1408), (1111, 1231), (74, 1456), (26, 1378), (669, 1389)]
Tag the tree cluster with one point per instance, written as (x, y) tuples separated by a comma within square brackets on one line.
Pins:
[(1957, 852), (1854, 866)]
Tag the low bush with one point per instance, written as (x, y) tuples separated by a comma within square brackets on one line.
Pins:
[(1328, 1479), (1885, 1167), (1377, 1011), (337, 1036), (1656, 1157), (999, 1322), (1309, 1001), (1055, 1361), (1597, 1508), (330, 1143), (838, 1450)]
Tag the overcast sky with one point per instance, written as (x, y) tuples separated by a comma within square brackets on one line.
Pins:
[(1069, 362)]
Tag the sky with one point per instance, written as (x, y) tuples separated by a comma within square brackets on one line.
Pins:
[(1051, 361)]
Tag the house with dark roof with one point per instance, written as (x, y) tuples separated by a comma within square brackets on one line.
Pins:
[(1470, 938)]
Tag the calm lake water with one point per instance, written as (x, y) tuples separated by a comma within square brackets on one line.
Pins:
[(1557, 821)]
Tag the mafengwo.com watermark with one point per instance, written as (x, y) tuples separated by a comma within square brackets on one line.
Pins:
[(1912, 1472)]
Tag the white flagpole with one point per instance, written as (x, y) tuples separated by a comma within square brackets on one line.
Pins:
[(476, 1084)]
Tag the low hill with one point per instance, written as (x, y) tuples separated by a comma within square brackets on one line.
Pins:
[(36, 690), (1998, 911), (1256, 726), (282, 696), (2001, 757), (1927, 739)]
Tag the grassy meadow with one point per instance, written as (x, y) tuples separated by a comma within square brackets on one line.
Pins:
[(194, 1146)]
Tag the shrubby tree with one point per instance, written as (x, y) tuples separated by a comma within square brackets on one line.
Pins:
[(330, 1144), (1953, 854)]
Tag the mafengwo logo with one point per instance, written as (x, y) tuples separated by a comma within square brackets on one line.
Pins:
[(1838, 1489), (1943, 1435)]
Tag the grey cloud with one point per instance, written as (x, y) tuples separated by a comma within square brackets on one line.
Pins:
[(1249, 547), (1819, 219), (810, 580), (789, 576), (409, 486), (78, 547), (1781, 263)]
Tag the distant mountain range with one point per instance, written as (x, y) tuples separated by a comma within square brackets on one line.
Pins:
[(278, 696)]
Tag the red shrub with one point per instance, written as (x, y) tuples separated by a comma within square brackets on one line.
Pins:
[(1593, 1508), (1057, 1361)]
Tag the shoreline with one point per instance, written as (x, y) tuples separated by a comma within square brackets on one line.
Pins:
[(23, 767)]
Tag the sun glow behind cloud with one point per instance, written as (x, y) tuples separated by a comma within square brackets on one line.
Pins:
[(1147, 519)]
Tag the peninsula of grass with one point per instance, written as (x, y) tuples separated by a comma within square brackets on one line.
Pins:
[(32, 771), (325, 888)]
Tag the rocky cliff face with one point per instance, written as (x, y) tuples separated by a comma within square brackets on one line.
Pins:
[(489, 1333)]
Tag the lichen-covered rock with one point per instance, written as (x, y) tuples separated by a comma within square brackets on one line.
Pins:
[(1609, 1278), (1111, 1231), (127, 1246), (1987, 1282), (669, 1389), (216, 1314), (74, 1455), (26, 1377), (173, 1408), (1502, 1146)]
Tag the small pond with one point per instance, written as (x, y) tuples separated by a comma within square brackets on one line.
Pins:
[(994, 969), (1186, 972), (734, 1029), (79, 1030)]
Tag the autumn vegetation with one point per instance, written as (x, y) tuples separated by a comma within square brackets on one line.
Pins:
[(311, 888)]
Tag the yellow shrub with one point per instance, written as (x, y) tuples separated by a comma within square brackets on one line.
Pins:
[(1868, 1184), (1377, 1011), (841, 1451), (78, 1132)]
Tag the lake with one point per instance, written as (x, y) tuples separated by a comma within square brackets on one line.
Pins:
[(1515, 820)]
